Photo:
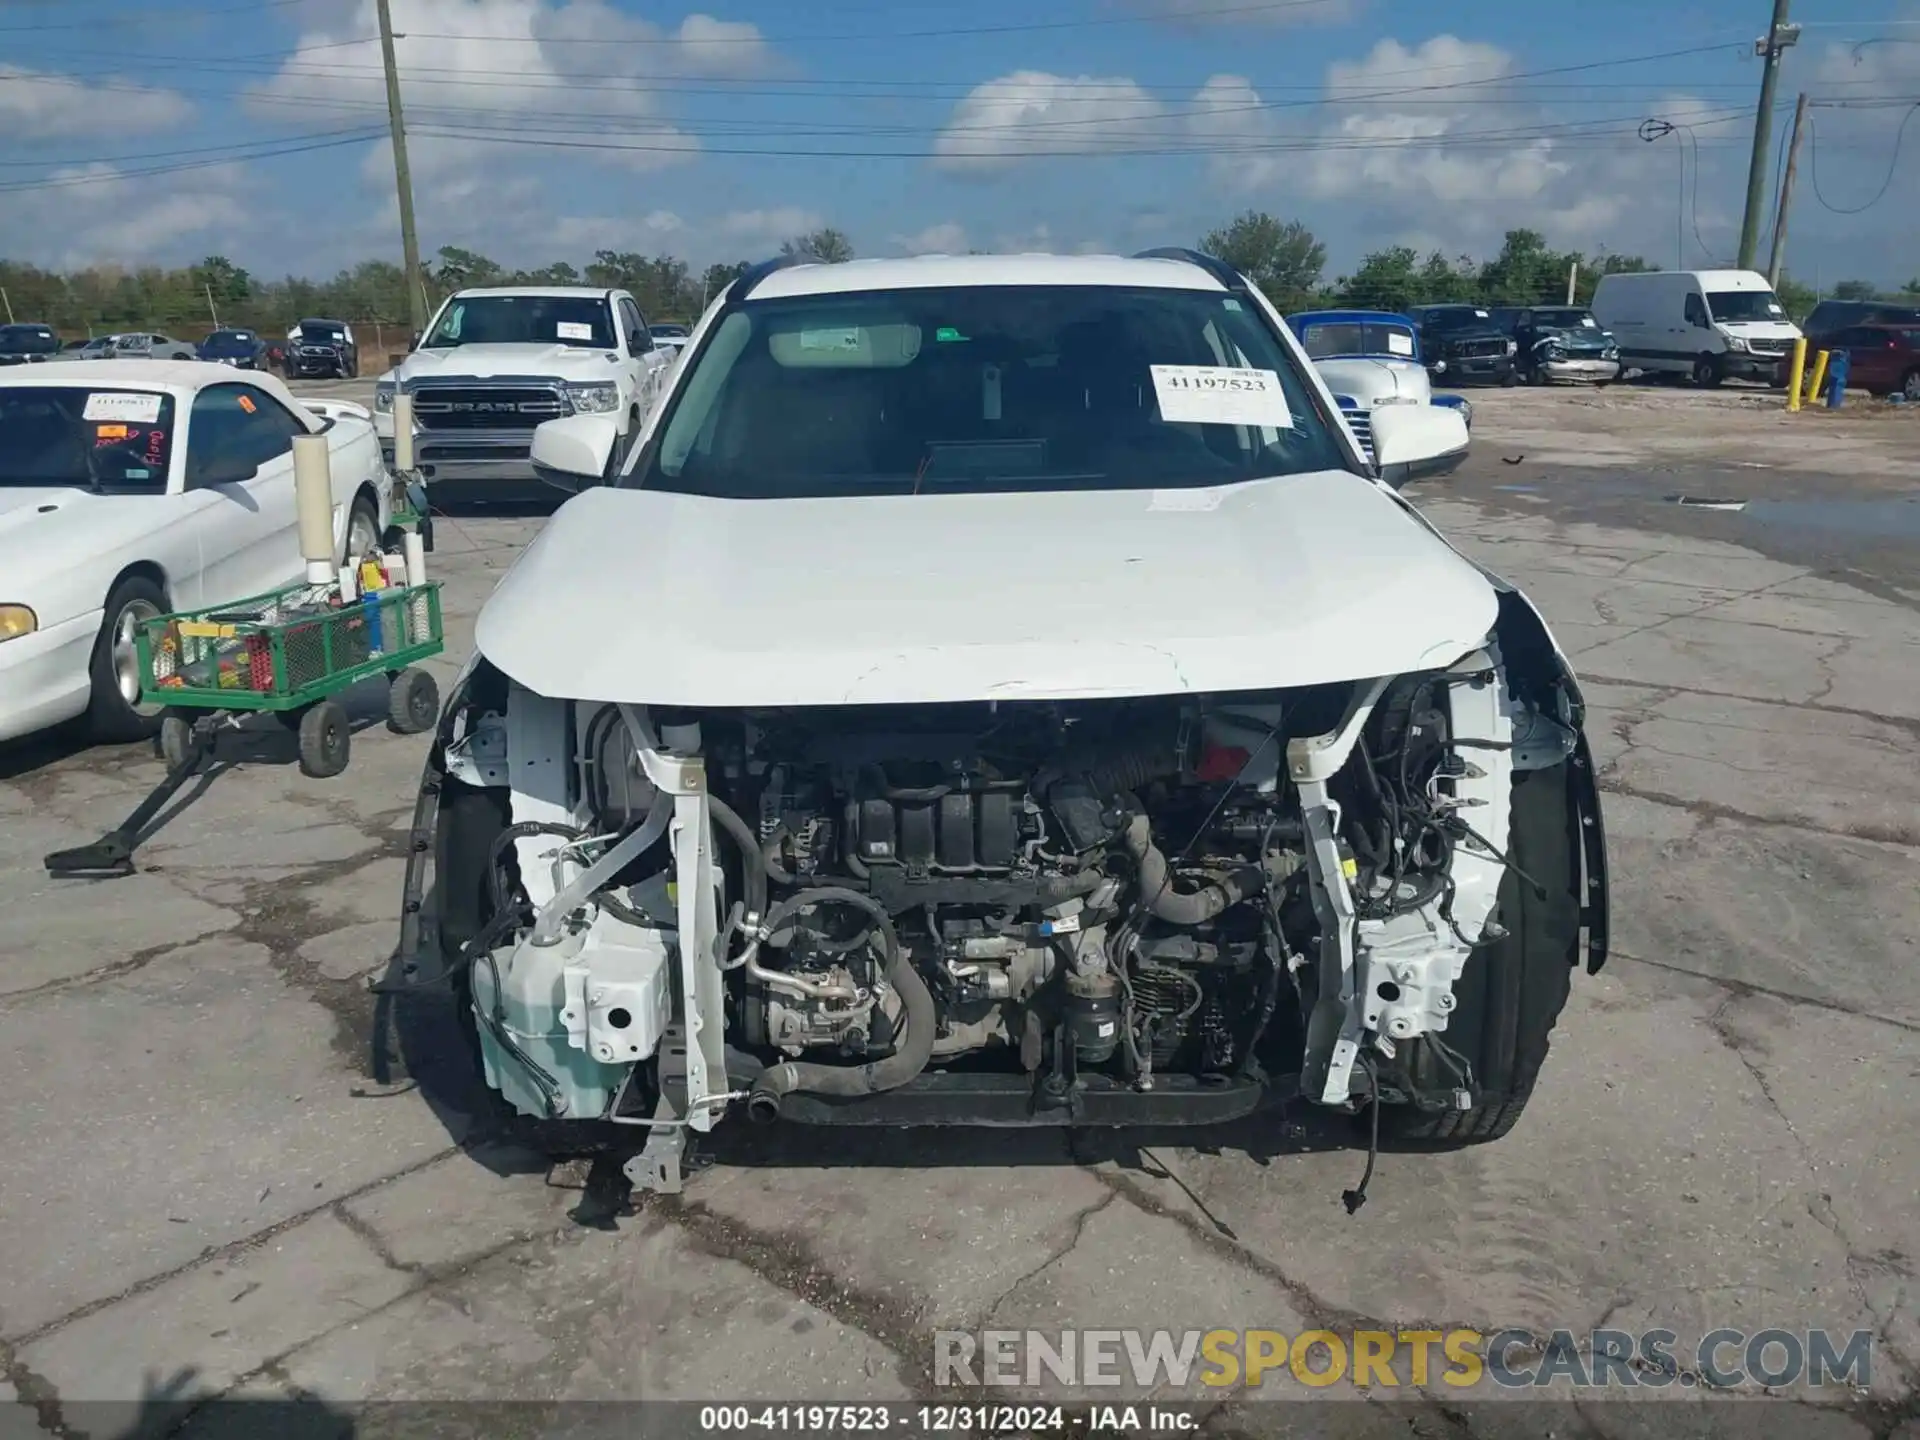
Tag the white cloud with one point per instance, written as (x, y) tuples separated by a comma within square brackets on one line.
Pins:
[(99, 215), (39, 104), (1431, 145), (483, 78), (1271, 13), (947, 238), (1031, 113), (769, 227)]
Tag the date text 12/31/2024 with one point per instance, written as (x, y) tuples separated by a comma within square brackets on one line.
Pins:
[(916, 1419)]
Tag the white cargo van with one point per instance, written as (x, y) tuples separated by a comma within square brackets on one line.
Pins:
[(1705, 324)]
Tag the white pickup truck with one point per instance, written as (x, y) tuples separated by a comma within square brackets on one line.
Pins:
[(495, 363)]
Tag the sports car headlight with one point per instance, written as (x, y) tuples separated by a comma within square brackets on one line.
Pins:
[(383, 397), (1612, 352), (594, 399), (15, 621)]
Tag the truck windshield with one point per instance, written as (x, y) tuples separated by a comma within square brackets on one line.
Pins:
[(988, 388), (1326, 340), (1456, 317), (59, 435), (524, 320), (28, 340), (1734, 306)]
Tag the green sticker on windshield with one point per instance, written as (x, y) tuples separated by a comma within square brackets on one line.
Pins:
[(946, 333)]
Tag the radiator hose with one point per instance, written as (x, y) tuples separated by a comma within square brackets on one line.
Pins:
[(1179, 907), (911, 1052)]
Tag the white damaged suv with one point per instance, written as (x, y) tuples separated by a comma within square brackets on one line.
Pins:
[(998, 691)]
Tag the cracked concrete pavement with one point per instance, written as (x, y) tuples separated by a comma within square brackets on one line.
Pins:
[(211, 1194)]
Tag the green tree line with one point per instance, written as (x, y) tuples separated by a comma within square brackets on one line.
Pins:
[(1282, 256)]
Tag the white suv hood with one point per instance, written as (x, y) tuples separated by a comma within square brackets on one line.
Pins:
[(565, 362), (655, 598)]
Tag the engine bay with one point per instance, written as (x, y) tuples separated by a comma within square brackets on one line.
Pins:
[(987, 911)]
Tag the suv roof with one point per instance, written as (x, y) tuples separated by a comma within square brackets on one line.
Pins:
[(541, 292), (1850, 312), (926, 272)]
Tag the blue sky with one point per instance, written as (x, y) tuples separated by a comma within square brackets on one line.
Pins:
[(545, 129)]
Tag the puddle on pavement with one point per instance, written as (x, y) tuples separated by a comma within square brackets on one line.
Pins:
[(1892, 519)]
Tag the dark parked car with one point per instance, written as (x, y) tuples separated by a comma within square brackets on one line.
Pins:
[(26, 344), (1462, 344), (1830, 317), (242, 349), (1559, 342), (322, 350), (1881, 359)]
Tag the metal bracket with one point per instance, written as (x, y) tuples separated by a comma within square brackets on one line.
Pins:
[(1336, 1026), (658, 1167)]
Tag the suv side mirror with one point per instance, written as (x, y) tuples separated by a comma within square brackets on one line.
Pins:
[(1413, 442), (572, 453)]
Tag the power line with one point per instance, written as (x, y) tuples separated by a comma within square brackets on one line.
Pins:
[(355, 131), (113, 176), (146, 12), (1813, 164)]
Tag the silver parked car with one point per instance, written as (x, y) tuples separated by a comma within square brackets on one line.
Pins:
[(137, 345)]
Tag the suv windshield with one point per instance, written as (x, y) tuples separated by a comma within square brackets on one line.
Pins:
[(321, 332), (28, 340), (78, 435), (1326, 339), (1575, 319), (229, 337), (524, 320), (1013, 388), (1736, 306)]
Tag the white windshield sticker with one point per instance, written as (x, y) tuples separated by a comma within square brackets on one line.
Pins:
[(1220, 395), (1186, 499), (573, 330), (841, 338), (1589, 322), (1398, 344), (122, 405)]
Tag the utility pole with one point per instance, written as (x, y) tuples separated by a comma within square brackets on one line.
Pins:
[(402, 176), (1573, 280), (211, 309), (1770, 47), (1786, 195)]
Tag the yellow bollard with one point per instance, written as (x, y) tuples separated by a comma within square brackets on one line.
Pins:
[(1819, 376), (1796, 373)]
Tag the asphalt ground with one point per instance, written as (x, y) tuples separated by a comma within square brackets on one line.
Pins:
[(211, 1191)]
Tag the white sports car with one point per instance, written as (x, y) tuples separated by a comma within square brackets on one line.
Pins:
[(997, 690), (130, 488)]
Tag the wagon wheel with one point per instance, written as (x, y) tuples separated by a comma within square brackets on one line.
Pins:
[(176, 738), (325, 740), (413, 703)]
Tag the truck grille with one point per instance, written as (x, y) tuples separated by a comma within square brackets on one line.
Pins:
[(1478, 349), (485, 408), (1359, 421)]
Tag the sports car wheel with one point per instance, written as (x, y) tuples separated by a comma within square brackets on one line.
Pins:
[(115, 713), (363, 530)]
